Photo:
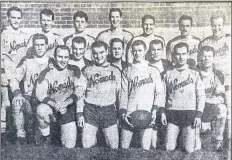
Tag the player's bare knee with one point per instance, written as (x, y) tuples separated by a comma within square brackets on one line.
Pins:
[(43, 110), (189, 149), (170, 147), (222, 111)]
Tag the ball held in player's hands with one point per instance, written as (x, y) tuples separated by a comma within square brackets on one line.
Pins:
[(140, 119)]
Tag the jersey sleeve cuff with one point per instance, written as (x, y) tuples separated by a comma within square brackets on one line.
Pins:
[(162, 110), (198, 114), (47, 99), (122, 111), (79, 114), (154, 107), (74, 97)]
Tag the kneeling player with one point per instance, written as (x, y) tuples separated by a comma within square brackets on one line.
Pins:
[(215, 110), (103, 89), (142, 90), (185, 99), (59, 88)]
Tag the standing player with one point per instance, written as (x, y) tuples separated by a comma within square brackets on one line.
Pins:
[(148, 24), (115, 30), (47, 17), (103, 90), (77, 58), (59, 88), (28, 70), (185, 100), (185, 26), (13, 47), (221, 43), (143, 90), (80, 20), (215, 111)]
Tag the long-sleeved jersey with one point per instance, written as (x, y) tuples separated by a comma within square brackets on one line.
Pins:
[(89, 40), (103, 84), (79, 63), (142, 88), (13, 48), (184, 90), (222, 59), (107, 35), (58, 85), (146, 40), (28, 70), (192, 42)]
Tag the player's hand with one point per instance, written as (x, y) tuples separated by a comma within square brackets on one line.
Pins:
[(197, 122), (81, 122), (126, 117), (17, 103), (60, 106), (164, 119), (153, 118)]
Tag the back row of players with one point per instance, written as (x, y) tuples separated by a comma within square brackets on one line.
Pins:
[(80, 78)]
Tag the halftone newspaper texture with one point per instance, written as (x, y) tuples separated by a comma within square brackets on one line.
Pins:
[(72, 73)]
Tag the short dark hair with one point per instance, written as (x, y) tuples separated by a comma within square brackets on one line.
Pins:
[(79, 40), (181, 45), (63, 47), (39, 36), (80, 14), (115, 10), (139, 42), (112, 41), (207, 49), (185, 17), (148, 17), (13, 9), (47, 12), (156, 41), (216, 15), (99, 43)]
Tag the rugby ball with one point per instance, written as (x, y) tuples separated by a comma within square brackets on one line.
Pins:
[(140, 119)]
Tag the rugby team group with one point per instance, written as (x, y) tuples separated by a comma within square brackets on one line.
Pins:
[(92, 83)]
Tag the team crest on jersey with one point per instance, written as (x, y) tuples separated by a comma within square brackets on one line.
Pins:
[(96, 79), (138, 83), (53, 88), (175, 85)]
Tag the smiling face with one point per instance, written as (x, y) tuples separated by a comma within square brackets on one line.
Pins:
[(40, 47), (138, 52), (148, 26), (14, 19), (62, 58), (80, 24), (78, 50), (117, 50), (156, 51), (100, 55), (207, 58), (115, 19), (217, 26), (46, 22), (185, 27), (181, 56)]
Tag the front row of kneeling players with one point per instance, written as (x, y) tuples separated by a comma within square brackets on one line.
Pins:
[(72, 90)]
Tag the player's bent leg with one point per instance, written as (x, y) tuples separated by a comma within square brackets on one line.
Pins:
[(154, 138), (146, 138), (112, 136), (89, 136), (126, 136), (189, 138), (171, 137), (69, 134)]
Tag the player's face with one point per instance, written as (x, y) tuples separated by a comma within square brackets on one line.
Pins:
[(46, 22), (40, 47), (181, 56), (217, 26), (138, 53), (207, 58), (117, 50), (80, 24), (115, 19), (62, 58), (99, 55), (15, 19), (78, 50), (148, 26), (156, 51), (185, 27)]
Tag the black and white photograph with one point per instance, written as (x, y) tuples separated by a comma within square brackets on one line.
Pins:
[(115, 80)]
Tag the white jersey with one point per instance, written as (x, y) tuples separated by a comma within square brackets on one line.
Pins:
[(142, 88)]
